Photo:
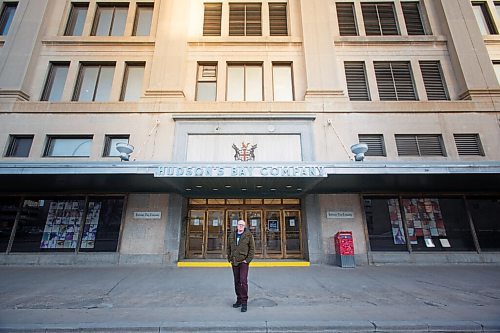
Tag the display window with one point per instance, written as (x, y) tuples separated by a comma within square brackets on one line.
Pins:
[(55, 224), (426, 223), (485, 212), (8, 212)]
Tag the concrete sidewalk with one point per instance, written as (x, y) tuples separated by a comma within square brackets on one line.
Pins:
[(317, 298)]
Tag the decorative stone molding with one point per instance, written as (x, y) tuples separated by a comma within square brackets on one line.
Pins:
[(14, 95)]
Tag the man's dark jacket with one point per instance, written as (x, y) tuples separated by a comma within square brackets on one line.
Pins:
[(245, 250)]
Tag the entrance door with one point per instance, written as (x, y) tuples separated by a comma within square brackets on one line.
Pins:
[(254, 223), (215, 233), (293, 241), (196, 234), (273, 234)]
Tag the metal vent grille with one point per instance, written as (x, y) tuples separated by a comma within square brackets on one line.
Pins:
[(394, 81), (468, 145), (278, 24), (413, 19), (346, 19), (379, 19), (357, 85), (212, 19), (245, 19), (433, 80), (420, 145), (375, 144)]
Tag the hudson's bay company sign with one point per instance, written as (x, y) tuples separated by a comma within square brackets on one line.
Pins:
[(183, 170)]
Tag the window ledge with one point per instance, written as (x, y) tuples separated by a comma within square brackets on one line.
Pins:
[(99, 40), (244, 40), (389, 40)]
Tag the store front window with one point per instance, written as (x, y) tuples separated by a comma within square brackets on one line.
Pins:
[(428, 224), (46, 224), (485, 212)]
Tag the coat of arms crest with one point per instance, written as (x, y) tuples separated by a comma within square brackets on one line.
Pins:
[(244, 153)]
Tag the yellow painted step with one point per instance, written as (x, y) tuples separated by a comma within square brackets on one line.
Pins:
[(216, 264)]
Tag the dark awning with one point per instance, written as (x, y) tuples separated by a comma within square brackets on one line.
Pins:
[(248, 180)]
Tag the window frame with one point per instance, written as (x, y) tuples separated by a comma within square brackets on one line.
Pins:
[(108, 139), (401, 86), (245, 65), (50, 144), (209, 19), (13, 144), (246, 22), (363, 136), (292, 86), (9, 9), (80, 78), (418, 139), (275, 19), (369, 28), (486, 16), (50, 80), (139, 6), (97, 18), (199, 79), (125, 81), (73, 18), (347, 74)]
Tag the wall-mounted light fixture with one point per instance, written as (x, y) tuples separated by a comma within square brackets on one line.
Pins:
[(359, 151), (125, 150)]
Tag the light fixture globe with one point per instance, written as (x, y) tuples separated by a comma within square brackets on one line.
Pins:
[(125, 150), (359, 151)]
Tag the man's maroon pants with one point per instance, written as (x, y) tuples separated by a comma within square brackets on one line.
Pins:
[(240, 274)]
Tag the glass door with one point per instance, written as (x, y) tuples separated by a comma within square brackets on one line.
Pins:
[(293, 241), (254, 223), (273, 234), (232, 217), (196, 233), (215, 233)]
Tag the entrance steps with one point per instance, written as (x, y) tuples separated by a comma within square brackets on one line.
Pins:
[(189, 263)]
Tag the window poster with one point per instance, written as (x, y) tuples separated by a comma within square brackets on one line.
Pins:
[(234, 223), (424, 219), (215, 222), (398, 234), (90, 229), (272, 225), (291, 222), (254, 222), (62, 225)]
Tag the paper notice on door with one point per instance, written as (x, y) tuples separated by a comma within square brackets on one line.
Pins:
[(234, 223), (291, 222), (215, 222), (196, 222), (254, 222)]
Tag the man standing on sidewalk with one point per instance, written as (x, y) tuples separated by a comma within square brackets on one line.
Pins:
[(240, 252)]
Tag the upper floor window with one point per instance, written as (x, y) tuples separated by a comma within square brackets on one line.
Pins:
[(346, 18), (206, 84), (76, 19), (8, 12), (212, 19), (68, 146), (357, 84), (110, 143), (420, 145), (483, 18), (56, 79), (375, 142), (395, 81), (380, 19), (244, 82), (19, 146), (435, 86), (496, 67), (282, 82), (132, 82), (94, 82), (110, 20), (143, 19), (468, 144), (413, 18), (245, 19), (278, 25)]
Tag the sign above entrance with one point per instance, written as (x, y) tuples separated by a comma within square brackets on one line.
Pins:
[(186, 170)]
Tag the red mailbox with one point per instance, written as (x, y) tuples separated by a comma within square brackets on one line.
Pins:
[(344, 248)]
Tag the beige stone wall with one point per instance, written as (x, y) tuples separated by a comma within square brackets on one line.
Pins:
[(144, 236), (329, 227)]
